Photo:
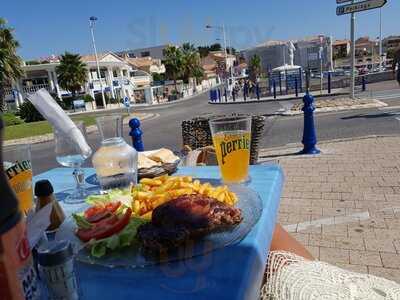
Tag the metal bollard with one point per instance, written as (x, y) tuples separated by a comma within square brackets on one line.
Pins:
[(296, 87), (245, 90), (364, 84), (258, 91), (226, 95), (234, 95), (301, 79), (274, 87), (309, 135), (329, 82), (136, 134)]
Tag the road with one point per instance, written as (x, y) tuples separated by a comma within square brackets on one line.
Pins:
[(165, 131)]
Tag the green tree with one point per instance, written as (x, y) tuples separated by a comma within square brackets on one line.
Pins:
[(10, 62), (255, 67), (191, 62), (72, 73), (174, 63)]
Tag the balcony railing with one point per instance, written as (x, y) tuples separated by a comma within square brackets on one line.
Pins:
[(36, 87)]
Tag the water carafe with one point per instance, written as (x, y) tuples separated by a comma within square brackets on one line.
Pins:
[(115, 161)]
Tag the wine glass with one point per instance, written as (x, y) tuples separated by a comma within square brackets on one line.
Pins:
[(69, 154)]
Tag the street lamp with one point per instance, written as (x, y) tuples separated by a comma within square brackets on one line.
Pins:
[(222, 28), (380, 39), (92, 21)]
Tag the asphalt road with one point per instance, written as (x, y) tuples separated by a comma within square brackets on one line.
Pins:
[(165, 131)]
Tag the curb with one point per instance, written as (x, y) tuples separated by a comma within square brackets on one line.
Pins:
[(276, 100), (374, 104), (49, 136)]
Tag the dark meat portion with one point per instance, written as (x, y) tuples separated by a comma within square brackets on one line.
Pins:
[(186, 217)]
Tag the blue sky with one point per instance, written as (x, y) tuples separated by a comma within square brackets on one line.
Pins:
[(46, 27)]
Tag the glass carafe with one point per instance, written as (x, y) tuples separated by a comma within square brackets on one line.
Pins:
[(115, 161)]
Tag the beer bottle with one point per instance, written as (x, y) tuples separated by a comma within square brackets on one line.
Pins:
[(18, 279)]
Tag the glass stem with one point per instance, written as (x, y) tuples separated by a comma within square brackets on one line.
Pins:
[(79, 176)]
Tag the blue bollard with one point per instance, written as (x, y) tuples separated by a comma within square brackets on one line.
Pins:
[(296, 87), (274, 87), (258, 91), (211, 95), (280, 83), (329, 82), (226, 95), (364, 84), (309, 135), (301, 79), (136, 134), (219, 95), (286, 83)]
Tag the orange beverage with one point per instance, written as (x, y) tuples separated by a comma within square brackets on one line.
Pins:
[(18, 169), (232, 140)]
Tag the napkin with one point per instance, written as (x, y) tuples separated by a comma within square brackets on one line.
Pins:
[(57, 117)]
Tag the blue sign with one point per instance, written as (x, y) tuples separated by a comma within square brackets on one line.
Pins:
[(127, 102), (107, 89)]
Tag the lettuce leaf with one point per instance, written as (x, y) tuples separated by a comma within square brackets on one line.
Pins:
[(125, 238), (112, 195)]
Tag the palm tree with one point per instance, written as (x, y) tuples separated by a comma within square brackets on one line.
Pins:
[(10, 62), (191, 62), (72, 73), (255, 67), (173, 63)]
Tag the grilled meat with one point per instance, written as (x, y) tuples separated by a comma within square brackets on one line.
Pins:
[(184, 218)]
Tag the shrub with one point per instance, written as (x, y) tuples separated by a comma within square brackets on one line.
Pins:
[(88, 98), (11, 119), (29, 113)]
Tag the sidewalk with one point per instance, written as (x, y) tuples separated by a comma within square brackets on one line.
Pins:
[(238, 100), (344, 205)]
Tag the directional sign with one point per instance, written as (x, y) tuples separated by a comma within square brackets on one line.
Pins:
[(360, 6)]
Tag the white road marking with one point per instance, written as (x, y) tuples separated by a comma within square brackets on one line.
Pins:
[(328, 221)]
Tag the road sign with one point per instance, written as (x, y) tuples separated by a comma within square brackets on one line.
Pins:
[(342, 1), (360, 6), (127, 102)]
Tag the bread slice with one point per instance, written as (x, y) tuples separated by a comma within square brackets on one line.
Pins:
[(163, 155), (145, 163)]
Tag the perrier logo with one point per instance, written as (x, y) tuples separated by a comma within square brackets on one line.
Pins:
[(239, 144)]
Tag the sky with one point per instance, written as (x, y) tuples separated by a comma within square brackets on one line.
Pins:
[(45, 27)]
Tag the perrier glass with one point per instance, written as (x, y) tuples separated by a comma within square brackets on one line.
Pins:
[(232, 140)]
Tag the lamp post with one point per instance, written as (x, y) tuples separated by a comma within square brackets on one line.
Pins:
[(92, 21), (222, 28), (380, 39)]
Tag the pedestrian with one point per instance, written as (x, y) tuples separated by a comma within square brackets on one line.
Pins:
[(396, 64)]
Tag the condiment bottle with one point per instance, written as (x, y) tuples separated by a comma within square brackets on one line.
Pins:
[(56, 265), (18, 279), (44, 193)]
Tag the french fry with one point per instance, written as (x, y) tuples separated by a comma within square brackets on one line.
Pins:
[(152, 193)]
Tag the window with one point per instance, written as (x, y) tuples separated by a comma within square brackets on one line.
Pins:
[(124, 73), (115, 73), (145, 54)]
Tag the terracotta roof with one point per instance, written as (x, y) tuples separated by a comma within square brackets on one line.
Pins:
[(140, 62), (340, 42), (92, 57)]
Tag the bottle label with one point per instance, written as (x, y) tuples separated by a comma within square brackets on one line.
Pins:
[(20, 179)]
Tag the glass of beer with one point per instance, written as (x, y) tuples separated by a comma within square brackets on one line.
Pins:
[(18, 169), (231, 137)]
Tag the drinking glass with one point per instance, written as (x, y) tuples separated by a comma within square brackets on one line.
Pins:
[(18, 169), (231, 137), (69, 154)]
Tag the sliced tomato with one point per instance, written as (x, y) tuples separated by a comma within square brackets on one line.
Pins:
[(106, 227), (97, 213)]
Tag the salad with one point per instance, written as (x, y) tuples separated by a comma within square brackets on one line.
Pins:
[(108, 225)]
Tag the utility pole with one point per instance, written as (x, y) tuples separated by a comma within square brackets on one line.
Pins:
[(352, 53), (92, 21)]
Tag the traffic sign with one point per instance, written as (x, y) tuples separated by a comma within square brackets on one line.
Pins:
[(359, 6), (342, 1)]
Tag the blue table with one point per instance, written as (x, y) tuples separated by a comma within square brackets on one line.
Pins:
[(234, 272)]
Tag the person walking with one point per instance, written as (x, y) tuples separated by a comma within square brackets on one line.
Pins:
[(396, 64)]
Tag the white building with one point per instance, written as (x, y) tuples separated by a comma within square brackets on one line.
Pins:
[(118, 79)]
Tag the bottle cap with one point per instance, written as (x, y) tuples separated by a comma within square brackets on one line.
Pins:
[(43, 188), (54, 253)]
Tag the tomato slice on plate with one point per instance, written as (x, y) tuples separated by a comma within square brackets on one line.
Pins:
[(106, 227), (97, 213)]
